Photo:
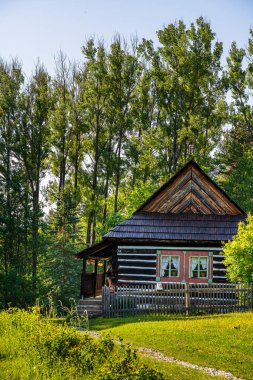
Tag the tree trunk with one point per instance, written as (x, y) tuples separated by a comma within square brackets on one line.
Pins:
[(9, 235), (35, 245), (105, 198), (95, 170), (118, 169), (174, 139), (88, 233)]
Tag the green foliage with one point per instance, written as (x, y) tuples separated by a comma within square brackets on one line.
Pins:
[(239, 184), (74, 319), (33, 347), (19, 290), (239, 253), (82, 150), (125, 368), (60, 271), (110, 222), (236, 145), (138, 195), (185, 70)]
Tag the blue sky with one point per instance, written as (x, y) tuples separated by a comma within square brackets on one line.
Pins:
[(40, 28)]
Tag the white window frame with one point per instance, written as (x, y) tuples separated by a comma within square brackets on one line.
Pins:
[(169, 269), (199, 270)]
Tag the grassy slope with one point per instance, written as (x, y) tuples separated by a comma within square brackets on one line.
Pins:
[(32, 347), (224, 342)]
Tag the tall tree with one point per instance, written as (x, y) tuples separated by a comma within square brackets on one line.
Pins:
[(14, 203), (185, 69), (124, 73), (32, 147), (235, 154), (95, 93), (61, 136)]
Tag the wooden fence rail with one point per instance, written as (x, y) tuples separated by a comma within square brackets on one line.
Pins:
[(176, 298)]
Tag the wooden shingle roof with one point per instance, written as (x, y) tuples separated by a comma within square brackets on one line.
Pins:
[(176, 227)]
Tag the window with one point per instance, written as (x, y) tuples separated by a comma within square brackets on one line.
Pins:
[(198, 267), (169, 266)]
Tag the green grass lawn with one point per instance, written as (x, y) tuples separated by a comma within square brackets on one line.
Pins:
[(220, 341), (173, 371)]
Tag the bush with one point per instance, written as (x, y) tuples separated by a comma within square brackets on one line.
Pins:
[(33, 347), (239, 253)]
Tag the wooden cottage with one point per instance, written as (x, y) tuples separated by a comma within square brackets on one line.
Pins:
[(175, 236)]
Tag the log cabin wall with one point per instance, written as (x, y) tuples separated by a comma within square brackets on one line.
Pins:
[(219, 269), (136, 266), (140, 265)]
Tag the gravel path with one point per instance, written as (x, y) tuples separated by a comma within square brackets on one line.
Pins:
[(160, 356), (210, 371)]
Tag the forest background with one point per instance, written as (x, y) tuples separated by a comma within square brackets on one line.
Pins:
[(81, 150)]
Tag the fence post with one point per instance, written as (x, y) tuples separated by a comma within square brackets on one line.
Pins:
[(106, 301), (187, 298), (103, 301)]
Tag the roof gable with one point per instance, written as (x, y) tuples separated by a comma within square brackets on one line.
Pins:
[(191, 191)]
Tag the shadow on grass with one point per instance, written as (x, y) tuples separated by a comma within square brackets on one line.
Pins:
[(101, 323)]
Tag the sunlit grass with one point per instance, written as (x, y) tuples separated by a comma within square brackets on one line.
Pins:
[(172, 371), (32, 347), (224, 342)]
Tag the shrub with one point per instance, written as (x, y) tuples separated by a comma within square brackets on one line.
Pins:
[(33, 347)]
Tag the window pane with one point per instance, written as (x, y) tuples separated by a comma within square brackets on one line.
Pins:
[(198, 267), (203, 263), (194, 266), (203, 266), (165, 264), (169, 266), (174, 270)]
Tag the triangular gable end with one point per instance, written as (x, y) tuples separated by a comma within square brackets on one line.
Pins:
[(191, 191)]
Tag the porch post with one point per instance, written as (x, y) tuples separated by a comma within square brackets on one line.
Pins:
[(104, 274), (82, 290), (95, 274)]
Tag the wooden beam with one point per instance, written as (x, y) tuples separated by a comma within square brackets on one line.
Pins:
[(95, 274), (83, 279)]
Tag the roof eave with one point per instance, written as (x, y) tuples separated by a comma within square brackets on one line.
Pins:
[(96, 251)]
